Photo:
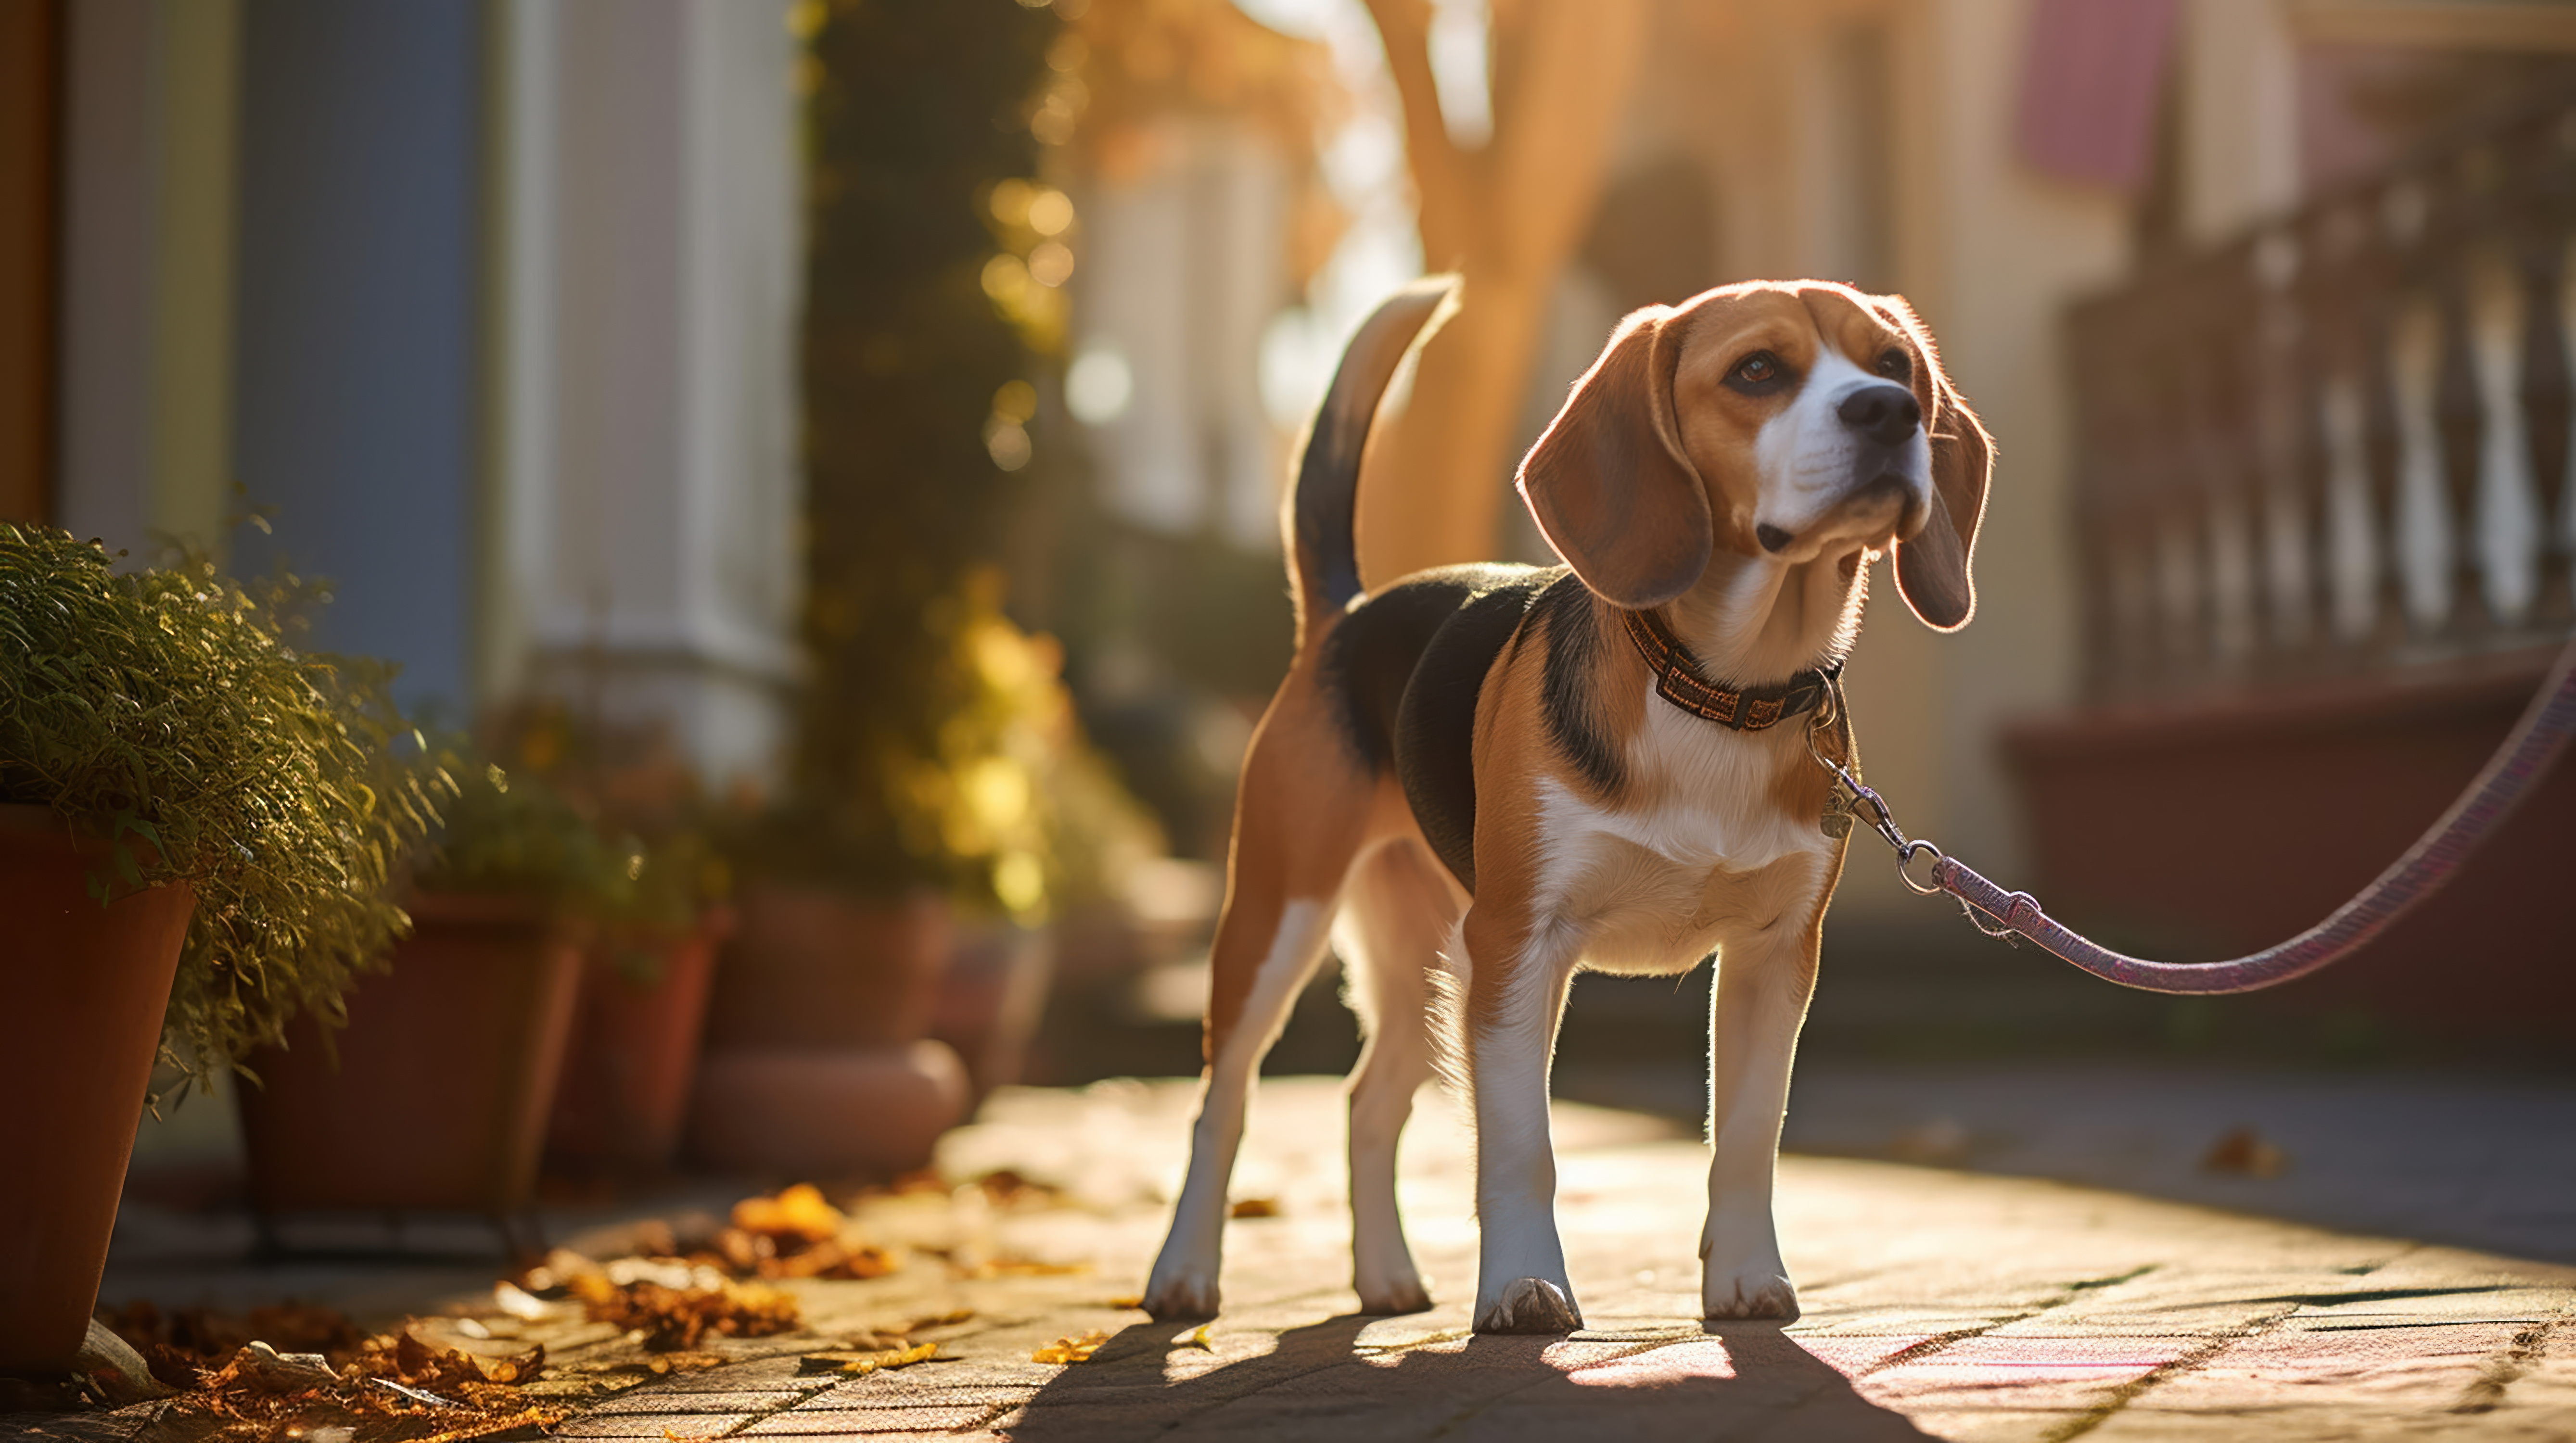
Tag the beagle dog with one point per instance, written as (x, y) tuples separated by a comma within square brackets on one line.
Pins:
[(1482, 778)]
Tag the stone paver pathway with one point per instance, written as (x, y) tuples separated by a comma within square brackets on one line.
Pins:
[(1938, 1304)]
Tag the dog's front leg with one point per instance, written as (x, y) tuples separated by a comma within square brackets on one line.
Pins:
[(1517, 978), (1764, 979)]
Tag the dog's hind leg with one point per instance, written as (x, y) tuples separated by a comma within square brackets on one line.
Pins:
[(1290, 938), (1399, 911), (1295, 834)]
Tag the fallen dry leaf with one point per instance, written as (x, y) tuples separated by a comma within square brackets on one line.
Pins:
[(831, 1259), (797, 1213), (1941, 1142), (675, 1318), (1006, 1187), (546, 1418), (1199, 1339), (1022, 1268), (1071, 1350), (518, 1302), (1127, 1300), (2246, 1153), (178, 1343), (862, 1364), (1254, 1207)]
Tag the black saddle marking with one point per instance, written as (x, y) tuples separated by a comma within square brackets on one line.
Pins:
[(1572, 670), (1409, 664)]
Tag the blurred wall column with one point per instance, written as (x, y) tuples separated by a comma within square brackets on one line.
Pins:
[(641, 453), (356, 413), (31, 88), (143, 439)]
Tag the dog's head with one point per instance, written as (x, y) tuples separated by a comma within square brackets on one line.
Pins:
[(1784, 419)]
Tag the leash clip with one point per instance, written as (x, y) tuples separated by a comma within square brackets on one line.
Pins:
[(1881, 819), (1883, 822)]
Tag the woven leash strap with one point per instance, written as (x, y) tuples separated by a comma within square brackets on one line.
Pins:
[(2516, 768)]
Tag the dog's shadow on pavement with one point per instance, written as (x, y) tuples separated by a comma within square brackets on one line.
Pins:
[(1325, 1381)]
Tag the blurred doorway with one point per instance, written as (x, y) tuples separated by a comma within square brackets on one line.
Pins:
[(30, 125)]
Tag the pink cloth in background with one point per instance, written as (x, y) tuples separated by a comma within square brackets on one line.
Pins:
[(2091, 83)]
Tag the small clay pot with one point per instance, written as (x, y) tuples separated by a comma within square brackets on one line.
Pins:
[(634, 1055), (87, 985), (825, 1112), (810, 968), (445, 1075)]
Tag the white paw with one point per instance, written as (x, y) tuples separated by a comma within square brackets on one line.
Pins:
[(1762, 1291), (1529, 1305), (1179, 1290)]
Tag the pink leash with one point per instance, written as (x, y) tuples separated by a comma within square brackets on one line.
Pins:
[(2433, 861)]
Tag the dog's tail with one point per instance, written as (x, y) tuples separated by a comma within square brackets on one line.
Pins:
[(1323, 551)]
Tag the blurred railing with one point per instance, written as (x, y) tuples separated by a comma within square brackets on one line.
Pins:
[(2339, 443)]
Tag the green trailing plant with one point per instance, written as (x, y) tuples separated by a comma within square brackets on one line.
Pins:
[(510, 834), (169, 710), (641, 795)]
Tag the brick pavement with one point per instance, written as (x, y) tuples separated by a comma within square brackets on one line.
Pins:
[(1938, 1304)]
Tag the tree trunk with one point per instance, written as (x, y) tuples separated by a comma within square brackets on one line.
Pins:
[(1505, 216)]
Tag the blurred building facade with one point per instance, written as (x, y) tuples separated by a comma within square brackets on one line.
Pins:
[(2006, 164), (1997, 162), (492, 305), (2267, 304)]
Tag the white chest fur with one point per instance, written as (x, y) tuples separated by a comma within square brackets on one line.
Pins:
[(1650, 885)]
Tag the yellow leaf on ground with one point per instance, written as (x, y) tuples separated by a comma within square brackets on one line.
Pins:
[(891, 1358), (798, 1212), (1022, 1268), (1071, 1350)]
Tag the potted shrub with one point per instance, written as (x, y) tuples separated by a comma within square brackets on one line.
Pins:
[(816, 1060), (642, 1014), (882, 940), (645, 980), (198, 825), (435, 1095)]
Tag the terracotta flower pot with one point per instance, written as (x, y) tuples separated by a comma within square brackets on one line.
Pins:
[(87, 986), (833, 1112), (814, 969), (634, 1054), (445, 1078), (817, 1061)]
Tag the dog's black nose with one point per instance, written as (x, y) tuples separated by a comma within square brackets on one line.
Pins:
[(1885, 414)]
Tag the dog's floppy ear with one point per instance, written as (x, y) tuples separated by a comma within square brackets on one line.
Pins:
[(1932, 570), (1608, 482)]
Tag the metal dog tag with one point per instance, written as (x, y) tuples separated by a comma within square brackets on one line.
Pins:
[(1837, 819)]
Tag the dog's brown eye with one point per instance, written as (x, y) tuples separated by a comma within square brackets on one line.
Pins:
[(1757, 368), (1896, 365)]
